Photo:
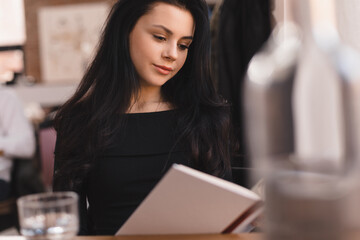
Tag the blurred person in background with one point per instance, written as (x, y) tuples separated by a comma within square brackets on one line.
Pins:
[(11, 65), (17, 139)]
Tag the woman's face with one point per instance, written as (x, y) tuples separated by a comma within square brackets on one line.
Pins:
[(159, 43)]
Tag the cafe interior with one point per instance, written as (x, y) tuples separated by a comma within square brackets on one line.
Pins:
[(290, 70)]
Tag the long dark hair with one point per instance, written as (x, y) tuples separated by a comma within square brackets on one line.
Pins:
[(86, 122), (240, 28)]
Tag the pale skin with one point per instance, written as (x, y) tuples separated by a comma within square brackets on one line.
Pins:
[(159, 46)]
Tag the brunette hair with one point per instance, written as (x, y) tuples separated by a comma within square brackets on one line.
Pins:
[(86, 122)]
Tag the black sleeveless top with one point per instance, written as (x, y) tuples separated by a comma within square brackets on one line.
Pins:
[(128, 170)]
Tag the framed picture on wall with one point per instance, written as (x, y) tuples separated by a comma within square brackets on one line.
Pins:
[(68, 36)]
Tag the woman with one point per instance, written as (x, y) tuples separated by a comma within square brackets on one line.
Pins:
[(146, 102)]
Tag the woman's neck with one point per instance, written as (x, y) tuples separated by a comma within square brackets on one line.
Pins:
[(149, 101)]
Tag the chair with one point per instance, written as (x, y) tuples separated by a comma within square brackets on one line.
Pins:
[(7, 206), (25, 179), (47, 140), (8, 214)]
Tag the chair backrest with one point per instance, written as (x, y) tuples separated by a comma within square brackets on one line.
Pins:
[(47, 140), (7, 206), (8, 214)]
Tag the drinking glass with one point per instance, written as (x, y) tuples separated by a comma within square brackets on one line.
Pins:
[(304, 203), (50, 216)]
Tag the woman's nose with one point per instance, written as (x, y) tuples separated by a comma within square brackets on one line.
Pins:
[(170, 52)]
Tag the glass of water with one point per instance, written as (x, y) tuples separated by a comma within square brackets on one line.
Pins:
[(305, 201), (50, 216)]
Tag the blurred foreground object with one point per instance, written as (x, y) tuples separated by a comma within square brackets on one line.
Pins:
[(49, 216), (305, 202), (268, 95), (345, 61), (307, 196)]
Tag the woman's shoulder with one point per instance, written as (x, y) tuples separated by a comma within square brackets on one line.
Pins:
[(71, 116)]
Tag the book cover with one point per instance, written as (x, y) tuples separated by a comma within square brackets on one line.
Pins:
[(187, 201)]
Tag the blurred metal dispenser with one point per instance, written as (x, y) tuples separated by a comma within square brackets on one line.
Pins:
[(268, 93), (305, 200)]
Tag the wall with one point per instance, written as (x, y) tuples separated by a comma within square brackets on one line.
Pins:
[(14, 33)]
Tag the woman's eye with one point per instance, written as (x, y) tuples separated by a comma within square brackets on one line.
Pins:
[(183, 47), (159, 38)]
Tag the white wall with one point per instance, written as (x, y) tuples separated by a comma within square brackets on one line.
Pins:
[(12, 22)]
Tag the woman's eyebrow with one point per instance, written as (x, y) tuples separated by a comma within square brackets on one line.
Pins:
[(168, 31)]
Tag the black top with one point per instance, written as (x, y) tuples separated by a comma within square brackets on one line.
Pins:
[(127, 171)]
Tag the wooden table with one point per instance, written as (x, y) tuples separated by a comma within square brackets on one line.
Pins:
[(251, 236), (244, 236)]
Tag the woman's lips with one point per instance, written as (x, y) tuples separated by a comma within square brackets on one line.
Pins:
[(163, 69)]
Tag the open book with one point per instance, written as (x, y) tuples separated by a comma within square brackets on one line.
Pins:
[(187, 201)]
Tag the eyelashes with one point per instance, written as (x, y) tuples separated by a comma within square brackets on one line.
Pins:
[(159, 38), (183, 47), (163, 39)]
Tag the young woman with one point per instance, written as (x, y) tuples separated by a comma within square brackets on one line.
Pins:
[(146, 102)]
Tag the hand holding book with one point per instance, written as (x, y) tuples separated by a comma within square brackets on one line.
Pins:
[(187, 201)]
